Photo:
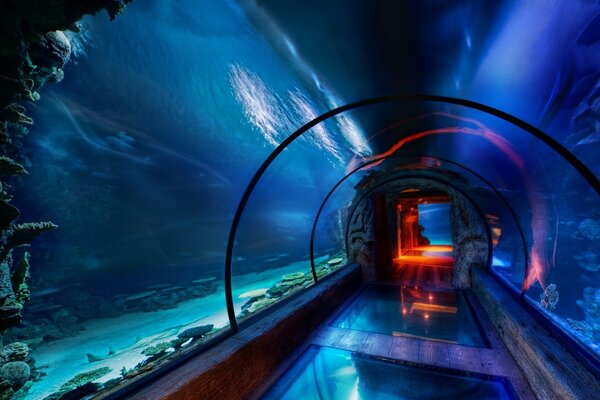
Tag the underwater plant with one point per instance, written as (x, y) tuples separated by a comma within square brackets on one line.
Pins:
[(549, 298)]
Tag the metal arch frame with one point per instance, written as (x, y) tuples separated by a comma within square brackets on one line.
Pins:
[(488, 183), (481, 214), (575, 162)]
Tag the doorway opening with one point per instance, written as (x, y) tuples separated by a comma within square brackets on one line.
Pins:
[(424, 236)]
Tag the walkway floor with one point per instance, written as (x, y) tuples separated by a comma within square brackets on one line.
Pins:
[(423, 275), (446, 357)]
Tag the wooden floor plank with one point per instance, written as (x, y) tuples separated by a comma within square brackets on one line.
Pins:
[(466, 358), (328, 336), (352, 340), (494, 361), (434, 353), (378, 345), (404, 348)]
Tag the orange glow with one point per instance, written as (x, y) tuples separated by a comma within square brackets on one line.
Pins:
[(539, 264), (443, 261), (426, 316), (430, 298), (403, 310), (432, 308), (496, 232), (434, 248)]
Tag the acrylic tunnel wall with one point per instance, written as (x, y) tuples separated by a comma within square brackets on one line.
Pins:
[(143, 182), (517, 180), (330, 167), (142, 153)]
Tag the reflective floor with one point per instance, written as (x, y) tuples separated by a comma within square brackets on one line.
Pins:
[(327, 373), (416, 312)]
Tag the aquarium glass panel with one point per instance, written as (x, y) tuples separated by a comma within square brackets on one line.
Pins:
[(435, 219), (271, 258), (144, 141), (566, 287), (323, 372), (140, 156)]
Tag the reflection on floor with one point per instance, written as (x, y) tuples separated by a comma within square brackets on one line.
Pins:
[(424, 266), (326, 373), (435, 360), (420, 275), (413, 311)]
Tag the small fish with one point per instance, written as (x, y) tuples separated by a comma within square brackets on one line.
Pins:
[(95, 358)]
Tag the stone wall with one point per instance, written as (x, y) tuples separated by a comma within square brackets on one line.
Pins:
[(361, 239), (471, 247)]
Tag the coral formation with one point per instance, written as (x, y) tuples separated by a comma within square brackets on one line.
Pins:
[(33, 50), (549, 298), (16, 373), (80, 384), (9, 167), (158, 349), (289, 283), (591, 309)]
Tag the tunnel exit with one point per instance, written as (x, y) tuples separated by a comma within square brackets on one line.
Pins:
[(424, 234)]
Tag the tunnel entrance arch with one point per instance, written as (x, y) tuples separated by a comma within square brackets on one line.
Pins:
[(372, 213)]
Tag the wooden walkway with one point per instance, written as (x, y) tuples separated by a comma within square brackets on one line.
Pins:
[(446, 357)]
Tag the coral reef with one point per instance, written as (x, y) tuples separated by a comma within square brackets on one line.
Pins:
[(16, 373), (591, 310), (590, 229), (80, 385), (158, 349), (33, 50), (13, 291), (289, 283)]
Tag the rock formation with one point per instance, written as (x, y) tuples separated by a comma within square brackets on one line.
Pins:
[(33, 50)]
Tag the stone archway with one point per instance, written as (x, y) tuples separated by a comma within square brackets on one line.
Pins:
[(371, 244)]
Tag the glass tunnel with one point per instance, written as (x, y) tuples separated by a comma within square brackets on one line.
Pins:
[(183, 181)]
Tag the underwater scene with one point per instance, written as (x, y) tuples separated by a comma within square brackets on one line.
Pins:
[(142, 130), (339, 374), (141, 184)]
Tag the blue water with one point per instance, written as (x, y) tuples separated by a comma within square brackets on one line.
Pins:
[(406, 311), (142, 153), (435, 218), (325, 373), (140, 156)]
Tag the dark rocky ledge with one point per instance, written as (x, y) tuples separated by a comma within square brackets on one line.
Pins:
[(33, 50)]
